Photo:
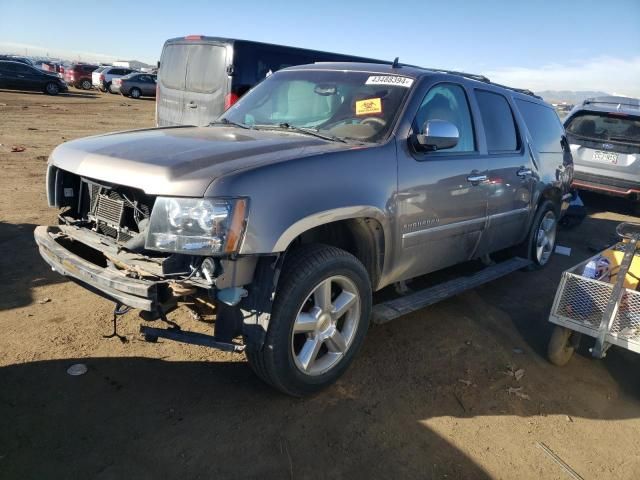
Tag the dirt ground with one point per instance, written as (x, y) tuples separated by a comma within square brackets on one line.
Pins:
[(426, 398)]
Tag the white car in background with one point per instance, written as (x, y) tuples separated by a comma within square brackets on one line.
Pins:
[(103, 76)]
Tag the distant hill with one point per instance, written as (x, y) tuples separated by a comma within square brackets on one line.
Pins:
[(569, 96)]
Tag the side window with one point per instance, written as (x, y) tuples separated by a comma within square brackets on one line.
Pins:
[(23, 69), (448, 102), (499, 125), (543, 125)]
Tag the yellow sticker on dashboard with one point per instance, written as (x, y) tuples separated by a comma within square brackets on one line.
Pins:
[(371, 105)]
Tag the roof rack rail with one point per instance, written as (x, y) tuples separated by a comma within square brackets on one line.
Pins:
[(482, 78), (472, 76)]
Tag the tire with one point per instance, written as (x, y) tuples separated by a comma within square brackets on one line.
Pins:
[(135, 93), (107, 87), (560, 350), (313, 280), (51, 88), (541, 241), (85, 84)]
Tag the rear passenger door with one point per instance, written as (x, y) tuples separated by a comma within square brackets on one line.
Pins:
[(511, 174)]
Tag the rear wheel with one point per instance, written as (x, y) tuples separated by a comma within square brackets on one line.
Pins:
[(107, 87), (51, 88), (135, 93), (319, 320), (86, 85), (541, 241)]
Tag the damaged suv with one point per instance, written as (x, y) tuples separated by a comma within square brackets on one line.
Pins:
[(323, 184)]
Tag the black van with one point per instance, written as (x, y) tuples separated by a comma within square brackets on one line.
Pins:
[(200, 77)]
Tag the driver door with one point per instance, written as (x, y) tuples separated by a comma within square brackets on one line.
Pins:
[(442, 195)]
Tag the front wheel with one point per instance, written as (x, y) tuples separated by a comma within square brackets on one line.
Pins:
[(319, 320), (541, 241), (51, 89)]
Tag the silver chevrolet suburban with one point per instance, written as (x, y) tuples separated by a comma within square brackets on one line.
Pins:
[(323, 184)]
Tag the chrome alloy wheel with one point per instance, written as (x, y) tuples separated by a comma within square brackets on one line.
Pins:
[(326, 325), (546, 238)]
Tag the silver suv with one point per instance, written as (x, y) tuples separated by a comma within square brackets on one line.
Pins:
[(604, 134), (323, 184)]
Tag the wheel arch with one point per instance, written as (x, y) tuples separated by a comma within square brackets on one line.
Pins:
[(551, 193), (361, 231)]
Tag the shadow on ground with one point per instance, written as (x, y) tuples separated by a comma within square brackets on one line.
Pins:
[(23, 269), (141, 418), (70, 93)]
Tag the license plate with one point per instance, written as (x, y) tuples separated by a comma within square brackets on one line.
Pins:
[(605, 157)]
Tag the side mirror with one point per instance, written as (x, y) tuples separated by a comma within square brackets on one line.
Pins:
[(437, 135)]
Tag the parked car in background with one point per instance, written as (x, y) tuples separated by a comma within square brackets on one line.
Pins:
[(79, 75), (135, 85), (323, 184), (604, 134), (102, 77), (200, 77), (20, 76), (15, 58)]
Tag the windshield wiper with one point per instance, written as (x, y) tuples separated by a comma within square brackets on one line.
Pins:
[(224, 121), (310, 131)]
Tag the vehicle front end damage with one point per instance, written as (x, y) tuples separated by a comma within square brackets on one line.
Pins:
[(150, 253)]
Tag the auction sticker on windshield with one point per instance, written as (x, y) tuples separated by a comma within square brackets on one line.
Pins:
[(371, 105), (389, 80)]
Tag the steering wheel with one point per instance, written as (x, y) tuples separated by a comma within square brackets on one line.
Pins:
[(374, 120)]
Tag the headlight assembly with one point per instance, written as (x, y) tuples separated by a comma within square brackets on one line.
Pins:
[(198, 226)]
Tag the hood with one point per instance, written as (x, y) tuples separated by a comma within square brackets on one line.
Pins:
[(182, 161)]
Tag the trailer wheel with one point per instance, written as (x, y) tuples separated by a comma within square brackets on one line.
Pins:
[(560, 349)]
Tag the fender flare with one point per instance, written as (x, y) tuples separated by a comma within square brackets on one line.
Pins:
[(329, 216)]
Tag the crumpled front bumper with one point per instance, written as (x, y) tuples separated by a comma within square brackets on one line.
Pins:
[(111, 284)]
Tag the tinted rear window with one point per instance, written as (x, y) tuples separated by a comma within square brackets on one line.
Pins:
[(605, 127), (543, 124), (499, 126)]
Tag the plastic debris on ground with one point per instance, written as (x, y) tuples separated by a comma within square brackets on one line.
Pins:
[(77, 369)]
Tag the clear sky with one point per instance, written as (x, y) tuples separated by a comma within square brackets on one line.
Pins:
[(576, 45)]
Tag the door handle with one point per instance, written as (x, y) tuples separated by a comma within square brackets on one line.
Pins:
[(476, 178), (192, 105), (524, 172)]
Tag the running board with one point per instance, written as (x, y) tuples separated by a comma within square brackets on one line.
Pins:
[(392, 309)]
